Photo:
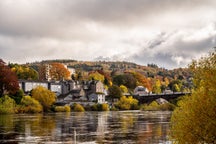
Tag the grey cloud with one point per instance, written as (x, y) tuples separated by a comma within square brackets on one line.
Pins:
[(41, 29), (173, 51)]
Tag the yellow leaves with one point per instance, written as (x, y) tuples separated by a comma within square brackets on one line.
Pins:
[(30, 105), (96, 76), (195, 119), (44, 96), (127, 103)]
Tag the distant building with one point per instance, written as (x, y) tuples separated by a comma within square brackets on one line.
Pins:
[(140, 90), (70, 91)]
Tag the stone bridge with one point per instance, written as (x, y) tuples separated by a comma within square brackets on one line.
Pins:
[(147, 98)]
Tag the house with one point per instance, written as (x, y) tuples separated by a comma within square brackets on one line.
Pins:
[(97, 97), (95, 91), (73, 95), (141, 90)]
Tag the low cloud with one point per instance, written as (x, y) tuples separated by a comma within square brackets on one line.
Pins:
[(168, 33)]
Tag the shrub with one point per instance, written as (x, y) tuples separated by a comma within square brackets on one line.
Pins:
[(104, 107), (29, 105), (44, 96), (154, 106), (100, 107), (78, 108), (7, 105), (65, 108), (127, 103)]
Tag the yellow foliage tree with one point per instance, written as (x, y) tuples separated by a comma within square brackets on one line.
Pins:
[(124, 89), (127, 103), (44, 96), (96, 76), (194, 121), (30, 105)]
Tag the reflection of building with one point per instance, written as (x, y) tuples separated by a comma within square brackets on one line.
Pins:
[(102, 125)]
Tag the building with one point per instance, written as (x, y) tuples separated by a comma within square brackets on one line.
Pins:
[(141, 90), (70, 91)]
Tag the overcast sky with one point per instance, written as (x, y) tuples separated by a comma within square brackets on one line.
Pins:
[(169, 33)]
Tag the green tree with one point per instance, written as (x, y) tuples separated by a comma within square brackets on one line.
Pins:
[(115, 92), (44, 96), (194, 121), (125, 79), (8, 80), (18, 96)]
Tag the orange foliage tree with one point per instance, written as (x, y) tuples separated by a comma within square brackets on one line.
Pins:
[(142, 80), (58, 71)]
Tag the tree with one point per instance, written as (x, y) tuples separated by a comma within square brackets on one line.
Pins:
[(96, 76), (24, 72), (194, 121), (127, 103), (44, 96), (8, 80), (142, 80), (123, 89), (7, 105), (59, 72), (157, 87), (125, 79), (115, 92), (30, 105)]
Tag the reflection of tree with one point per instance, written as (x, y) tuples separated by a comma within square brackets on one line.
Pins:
[(127, 122), (43, 125)]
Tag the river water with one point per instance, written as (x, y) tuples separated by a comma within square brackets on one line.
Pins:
[(114, 127)]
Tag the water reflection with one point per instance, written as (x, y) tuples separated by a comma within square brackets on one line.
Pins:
[(95, 127)]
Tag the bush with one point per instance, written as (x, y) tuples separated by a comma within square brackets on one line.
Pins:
[(100, 107), (154, 106), (29, 105), (78, 108), (7, 105), (65, 108), (104, 107), (44, 96), (127, 103)]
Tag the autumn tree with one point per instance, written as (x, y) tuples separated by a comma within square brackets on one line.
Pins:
[(29, 105), (142, 80), (59, 72), (125, 79), (115, 92), (96, 76), (127, 103), (157, 87), (194, 121), (124, 89), (44, 96), (24, 72), (8, 80)]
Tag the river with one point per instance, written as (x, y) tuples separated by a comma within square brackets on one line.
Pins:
[(114, 127)]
